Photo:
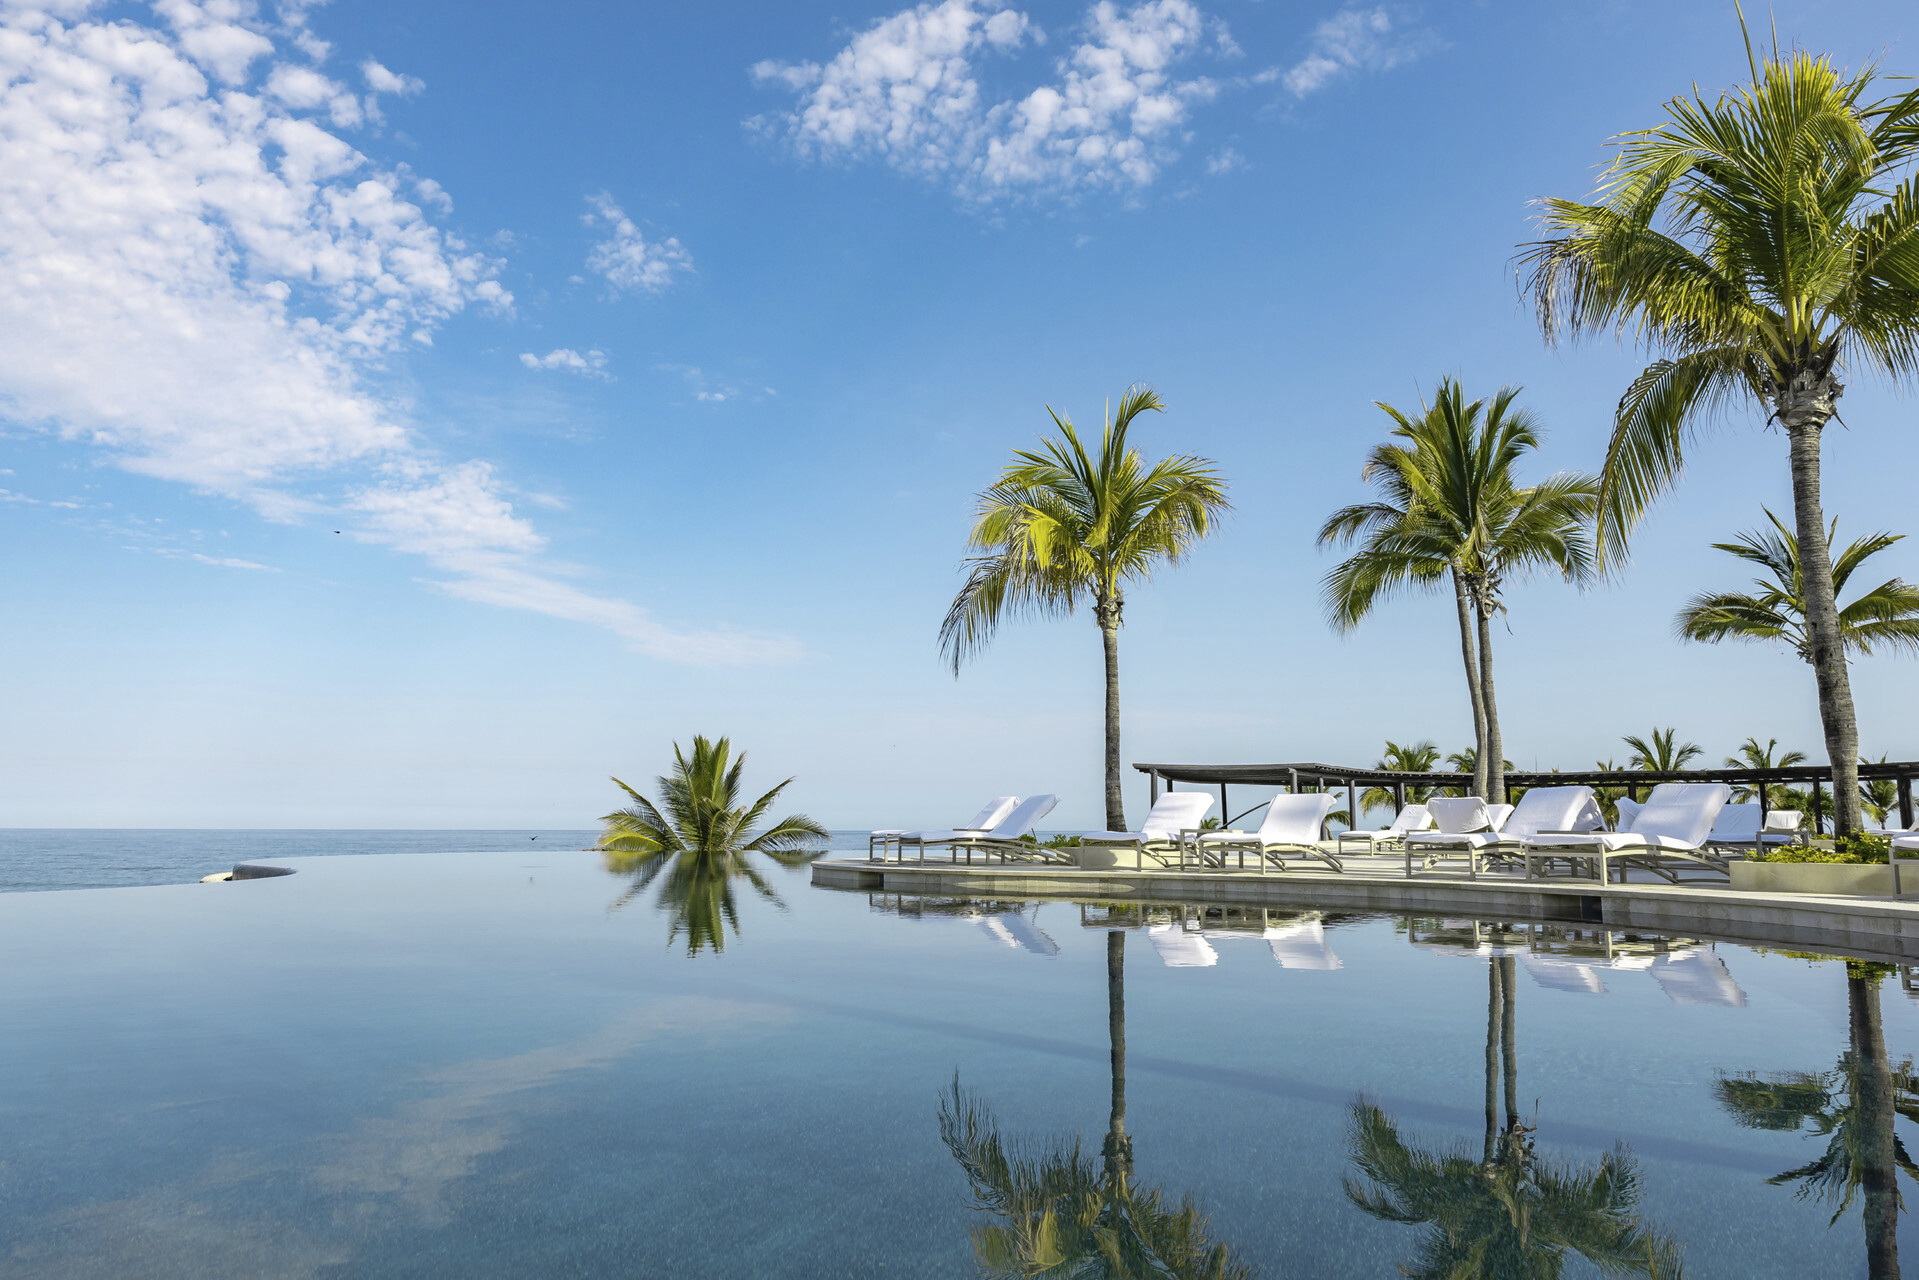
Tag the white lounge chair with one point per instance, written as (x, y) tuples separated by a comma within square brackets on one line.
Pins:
[(1541, 809), (1737, 826), (1628, 809), (1783, 826), (1414, 817), (1669, 834), (983, 821), (1158, 836), (1004, 839), (1292, 825), (1180, 948)]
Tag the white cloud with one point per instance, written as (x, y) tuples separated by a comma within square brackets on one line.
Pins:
[(592, 363), (906, 91), (1355, 40), (709, 390), (380, 80), (201, 279), (230, 562), (1225, 160), (625, 257)]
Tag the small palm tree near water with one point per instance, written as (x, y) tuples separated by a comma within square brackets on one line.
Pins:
[(1886, 615), (698, 838), (1063, 525), (1416, 757), (1753, 756)]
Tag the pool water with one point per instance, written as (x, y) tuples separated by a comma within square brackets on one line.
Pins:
[(476, 1065)]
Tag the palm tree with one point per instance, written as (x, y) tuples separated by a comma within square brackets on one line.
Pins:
[(1453, 508), (1886, 615), (700, 841), (1853, 1107), (1660, 753), (1466, 760), (1879, 797), (1755, 243), (1061, 525), (1608, 798), (1062, 1213), (1507, 1215), (1416, 757), (1753, 756)]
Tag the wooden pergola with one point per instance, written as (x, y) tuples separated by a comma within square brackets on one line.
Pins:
[(1316, 776)]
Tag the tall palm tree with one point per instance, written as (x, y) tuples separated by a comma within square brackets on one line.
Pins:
[(1062, 525), (1854, 1108), (1757, 244), (1060, 1213), (1886, 615), (1415, 757), (1662, 752), (699, 835), (1753, 756), (1453, 508), (1508, 1215)]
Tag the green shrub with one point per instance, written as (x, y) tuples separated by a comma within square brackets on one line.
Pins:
[(1853, 848)]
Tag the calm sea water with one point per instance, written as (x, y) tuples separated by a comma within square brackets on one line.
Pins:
[(508, 1064), (48, 858)]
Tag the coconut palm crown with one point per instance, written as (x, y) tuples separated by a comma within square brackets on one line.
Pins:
[(1064, 524), (1886, 615), (1452, 507), (699, 835), (1757, 244), (1660, 752)]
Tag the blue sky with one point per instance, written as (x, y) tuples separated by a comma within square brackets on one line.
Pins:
[(645, 360)]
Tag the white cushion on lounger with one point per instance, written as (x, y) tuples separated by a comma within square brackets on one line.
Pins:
[(1457, 815), (1290, 819), (1413, 817), (1172, 813), (1613, 840)]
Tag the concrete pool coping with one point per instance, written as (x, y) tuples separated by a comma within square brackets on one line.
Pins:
[(1882, 929)]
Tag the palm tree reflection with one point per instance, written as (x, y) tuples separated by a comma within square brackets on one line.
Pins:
[(696, 843), (1060, 1212), (1853, 1107), (1508, 1215)]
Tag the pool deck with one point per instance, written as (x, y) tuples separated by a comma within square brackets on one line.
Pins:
[(1876, 928)]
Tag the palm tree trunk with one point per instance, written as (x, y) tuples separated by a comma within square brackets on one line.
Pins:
[(1508, 1032), (1119, 1147), (1492, 1057), (1494, 752), (1466, 650), (1109, 635), (1874, 1115), (1836, 715)]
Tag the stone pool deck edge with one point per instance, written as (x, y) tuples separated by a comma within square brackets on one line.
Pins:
[(1884, 929)]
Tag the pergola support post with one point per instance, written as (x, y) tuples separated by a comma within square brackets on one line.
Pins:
[(1905, 803)]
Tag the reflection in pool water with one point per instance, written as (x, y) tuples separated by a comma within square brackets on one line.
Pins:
[(1510, 1214), (1062, 1214), (1853, 1106), (418, 1066)]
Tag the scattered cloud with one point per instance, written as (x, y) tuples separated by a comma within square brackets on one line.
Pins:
[(906, 91), (710, 390), (625, 257), (380, 80), (592, 364), (1225, 160), (230, 562), (1377, 39), (201, 277)]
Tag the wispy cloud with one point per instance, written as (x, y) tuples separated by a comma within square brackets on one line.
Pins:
[(905, 91), (1376, 39), (202, 278), (708, 389), (233, 562), (591, 364), (626, 257)]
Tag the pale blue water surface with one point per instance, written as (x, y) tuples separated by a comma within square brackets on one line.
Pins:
[(468, 1065)]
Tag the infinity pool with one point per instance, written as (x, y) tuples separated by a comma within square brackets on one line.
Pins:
[(476, 1065)]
